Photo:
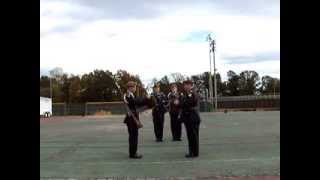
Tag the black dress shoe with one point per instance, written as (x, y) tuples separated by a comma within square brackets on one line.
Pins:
[(196, 155), (136, 156), (159, 140), (176, 139), (189, 156)]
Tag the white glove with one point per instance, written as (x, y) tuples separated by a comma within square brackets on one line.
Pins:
[(125, 100), (176, 102)]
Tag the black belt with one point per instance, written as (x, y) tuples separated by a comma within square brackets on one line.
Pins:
[(190, 110)]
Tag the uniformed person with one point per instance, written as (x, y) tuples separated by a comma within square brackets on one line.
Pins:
[(174, 111), (158, 111), (191, 118), (132, 116)]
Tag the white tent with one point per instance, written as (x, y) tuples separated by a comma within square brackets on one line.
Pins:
[(45, 106)]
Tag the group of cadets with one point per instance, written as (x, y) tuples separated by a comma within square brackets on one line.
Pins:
[(182, 108)]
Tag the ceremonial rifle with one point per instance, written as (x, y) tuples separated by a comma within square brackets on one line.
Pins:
[(129, 112)]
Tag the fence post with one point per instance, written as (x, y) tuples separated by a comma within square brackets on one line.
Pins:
[(85, 108), (65, 109)]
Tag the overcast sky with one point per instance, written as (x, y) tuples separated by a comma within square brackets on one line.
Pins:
[(153, 38)]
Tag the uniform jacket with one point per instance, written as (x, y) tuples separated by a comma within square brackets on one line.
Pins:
[(189, 107), (130, 99), (134, 103), (173, 108), (161, 102)]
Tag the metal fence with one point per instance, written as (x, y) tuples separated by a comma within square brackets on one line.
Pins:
[(102, 108), (59, 109), (243, 102), (63, 109), (92, 108)]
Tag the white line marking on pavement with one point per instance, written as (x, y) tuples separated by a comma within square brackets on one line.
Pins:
[(171, 162)]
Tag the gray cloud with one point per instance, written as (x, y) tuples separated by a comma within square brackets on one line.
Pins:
[(260, 57), (146, 9), (142, 9), (61, 29), (250, 7), (44, 72), (107, 9)]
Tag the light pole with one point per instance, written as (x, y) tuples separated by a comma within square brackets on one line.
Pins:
[(214, 75), (274, 88), (51, 73), (209, 39), (56, 72), (51, 88)]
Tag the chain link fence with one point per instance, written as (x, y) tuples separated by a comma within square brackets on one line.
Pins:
[(101, 108), (59, 109), (90, 108), (106, 108), (243, 102)]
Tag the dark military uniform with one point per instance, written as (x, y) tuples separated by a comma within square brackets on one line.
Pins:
[(132, 127), (133, 103), (174, 111), (191, 119), (158, 114)]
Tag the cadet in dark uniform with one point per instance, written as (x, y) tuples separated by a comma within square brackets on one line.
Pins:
[(160, 108), (174, 111), (132, 118), (191, 118)]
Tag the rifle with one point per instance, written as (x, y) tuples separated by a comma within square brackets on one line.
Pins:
[(175, 97), (166, 106), (129, 112)]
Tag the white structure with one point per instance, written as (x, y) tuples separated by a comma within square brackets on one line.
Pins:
[(45, 107)]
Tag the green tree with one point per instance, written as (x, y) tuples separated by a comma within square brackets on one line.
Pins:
[(233, 84), (165, 85), (205, 78), (97, 86), (64, 87), (123, 77), (249, 81), (57, 93), (44, 86), (87, 90), (220, 84), (177, 77), (269, 85), (74, 89), (223, 89)]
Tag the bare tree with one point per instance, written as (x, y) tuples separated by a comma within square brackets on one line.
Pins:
[(178, 77)]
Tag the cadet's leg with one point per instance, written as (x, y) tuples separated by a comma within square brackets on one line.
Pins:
[(161, 124), (172, 125), (133, 139), (193, 139), (189, 135), (196, 139), (178, 128), (155, 124)]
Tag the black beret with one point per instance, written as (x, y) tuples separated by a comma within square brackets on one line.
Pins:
[(156, 85), (173, 85), (131, 84), (187, 82)]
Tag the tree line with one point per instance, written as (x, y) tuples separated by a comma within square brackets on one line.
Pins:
[(99, 85)]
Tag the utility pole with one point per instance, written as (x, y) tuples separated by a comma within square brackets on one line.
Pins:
[(214, 76), (56, 72), (209, 39), (51, 88)]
